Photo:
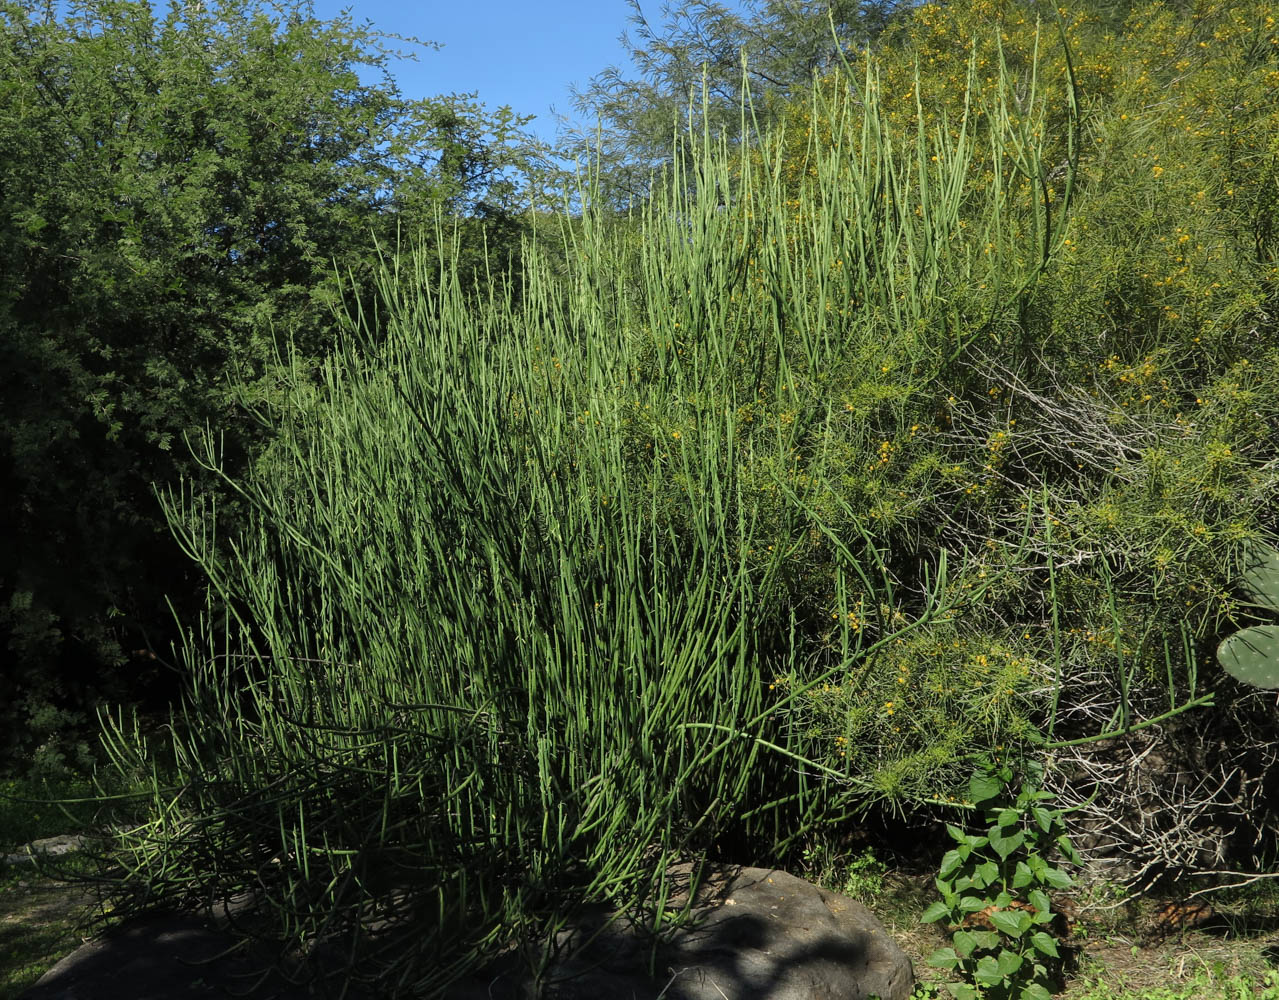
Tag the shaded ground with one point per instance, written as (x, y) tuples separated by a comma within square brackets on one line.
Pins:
[(41, 921), (1123, 951), (43, 928)]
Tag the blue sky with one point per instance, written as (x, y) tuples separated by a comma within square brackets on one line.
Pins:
[(514, 52)]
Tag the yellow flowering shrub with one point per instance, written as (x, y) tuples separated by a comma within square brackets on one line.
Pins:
[(1117, 382)]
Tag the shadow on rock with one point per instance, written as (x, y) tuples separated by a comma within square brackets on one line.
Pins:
[(752, 934)]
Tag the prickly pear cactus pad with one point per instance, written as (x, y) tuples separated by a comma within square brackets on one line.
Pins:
[(1261, 575), (1252, 656)]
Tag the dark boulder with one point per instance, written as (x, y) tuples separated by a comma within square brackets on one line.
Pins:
[(754, 934)]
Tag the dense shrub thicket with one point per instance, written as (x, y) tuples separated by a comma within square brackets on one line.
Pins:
[(929, 422), (1120, 405), (929, 425)]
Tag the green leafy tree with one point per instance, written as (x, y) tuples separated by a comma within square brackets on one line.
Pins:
[(177, 192), (784, 43)]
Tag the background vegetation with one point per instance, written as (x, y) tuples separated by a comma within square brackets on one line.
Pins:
[(178, 192)]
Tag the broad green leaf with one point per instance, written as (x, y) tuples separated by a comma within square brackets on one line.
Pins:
[(1057, 878), (962, 991), (986, 874), (935, 912), (1022, 875), (986, 940), (1040, 901), (1045, 944), (1014, 923), (964, 942), (983, 788), (1008, 817), (949, 863), (971, 904), (1004, 846), (987, 972), (944, 958), (1035, 991), (958, 835), (1043, 817), (1009, 962)]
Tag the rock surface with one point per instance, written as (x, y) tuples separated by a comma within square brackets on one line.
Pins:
[(49, 847), (755, 934)]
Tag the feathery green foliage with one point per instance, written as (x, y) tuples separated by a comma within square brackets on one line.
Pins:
[(1117, 400)]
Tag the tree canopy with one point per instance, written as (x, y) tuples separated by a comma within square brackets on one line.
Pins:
[(176, 192), (630, 121)]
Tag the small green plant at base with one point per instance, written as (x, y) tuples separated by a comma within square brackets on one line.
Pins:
[(1001, 877), (1202, 987), (861, 876), (864, 876)]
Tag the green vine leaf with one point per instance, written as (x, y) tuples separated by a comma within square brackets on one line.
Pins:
[(1022, 875), (944, 958), (1057, 878), (1044, 944), (1014, 923), (987, 940), (986, 874), (1004, 846), (935, 912), (1009, 962), (983, 788), (965, 943), (988, 973)]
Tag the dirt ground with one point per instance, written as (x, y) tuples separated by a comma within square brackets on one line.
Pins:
[(41, 922), (1138, 948)]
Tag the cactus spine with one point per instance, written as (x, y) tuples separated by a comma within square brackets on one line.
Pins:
[(1252, 655)]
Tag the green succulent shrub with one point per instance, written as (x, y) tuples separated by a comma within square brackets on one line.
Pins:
[(994, 886)]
